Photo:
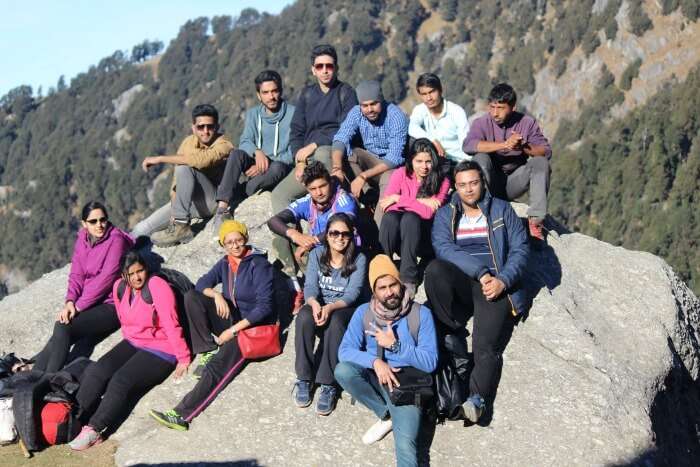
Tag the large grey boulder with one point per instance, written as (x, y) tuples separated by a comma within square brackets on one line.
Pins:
[(603, 371)]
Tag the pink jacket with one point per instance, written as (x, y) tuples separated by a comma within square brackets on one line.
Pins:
[(407, 188), (94, 268), (155, 326)]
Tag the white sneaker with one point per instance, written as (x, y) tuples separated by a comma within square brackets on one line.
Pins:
[(377, 431)]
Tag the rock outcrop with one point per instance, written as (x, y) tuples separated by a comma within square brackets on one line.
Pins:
[(602, 371)]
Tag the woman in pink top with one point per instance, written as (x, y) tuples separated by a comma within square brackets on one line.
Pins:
[(414, 193), (153, 347)]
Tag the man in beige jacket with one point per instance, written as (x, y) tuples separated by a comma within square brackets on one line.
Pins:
[(199, 165)]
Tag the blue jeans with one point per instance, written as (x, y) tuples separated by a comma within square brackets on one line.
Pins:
[(363, 385)]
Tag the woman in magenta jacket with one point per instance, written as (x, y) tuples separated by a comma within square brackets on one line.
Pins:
[(153, 347), (89, 308), (413, 195)]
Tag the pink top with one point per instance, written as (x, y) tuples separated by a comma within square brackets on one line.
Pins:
[(407, 188), (155, 326)]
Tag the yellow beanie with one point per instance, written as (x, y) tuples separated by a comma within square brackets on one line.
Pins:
[(232, 226), (380, 266)]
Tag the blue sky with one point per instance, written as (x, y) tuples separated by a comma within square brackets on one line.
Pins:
[(44, 39)]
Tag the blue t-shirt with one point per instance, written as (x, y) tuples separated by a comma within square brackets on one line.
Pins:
[(304, 209)]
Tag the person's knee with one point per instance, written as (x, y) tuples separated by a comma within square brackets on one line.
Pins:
[(183, 172), (336, 325), (192, 299), (484, 160), (323, 155), (538, 164), (305, 318), (435, 270), (410, 224), (344, 372)]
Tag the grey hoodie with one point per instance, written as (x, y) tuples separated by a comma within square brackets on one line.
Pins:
[(268, 132)]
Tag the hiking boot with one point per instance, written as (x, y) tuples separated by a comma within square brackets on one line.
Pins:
[(377, 431), (326, 400), (219, 218), (302, 393), (298, 301), (473, 408), (175, 234), (410, 289), (204, 360), (536, 225), (87, 438), (171, 419)]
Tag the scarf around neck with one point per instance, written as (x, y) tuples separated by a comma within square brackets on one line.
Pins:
[(384, 316)]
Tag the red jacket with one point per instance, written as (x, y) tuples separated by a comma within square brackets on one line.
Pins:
[(155, 326)]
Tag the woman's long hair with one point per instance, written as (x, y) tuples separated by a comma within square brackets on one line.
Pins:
[(431, 183), (350, 252)]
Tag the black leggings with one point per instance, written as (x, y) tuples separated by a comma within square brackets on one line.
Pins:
[(122, 373), (454, 298), (406, 234), (203, 321), (97, 323), (331, 335)]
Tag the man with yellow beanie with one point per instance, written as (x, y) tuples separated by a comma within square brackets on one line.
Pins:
[(369, 359)]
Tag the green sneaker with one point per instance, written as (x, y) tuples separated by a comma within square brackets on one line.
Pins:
[(204, 359), (171, 419)]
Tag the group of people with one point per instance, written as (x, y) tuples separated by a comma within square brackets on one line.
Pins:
[(372, 185)]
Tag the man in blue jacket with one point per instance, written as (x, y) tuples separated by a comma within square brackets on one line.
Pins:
[(369, 378), (481, 253), (264, 156)]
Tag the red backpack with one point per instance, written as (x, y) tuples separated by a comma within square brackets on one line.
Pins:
[(58, 424)]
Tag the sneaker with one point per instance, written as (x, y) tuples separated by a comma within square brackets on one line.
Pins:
[(377, 431), (302, 393), (298, 301), (536, 228), (204, 360), (87, 438), (326, 400), (175, 234), (473, 407), (171, 419)]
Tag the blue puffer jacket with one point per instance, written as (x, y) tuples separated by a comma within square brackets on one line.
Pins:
[(507, 240), (251, 286)]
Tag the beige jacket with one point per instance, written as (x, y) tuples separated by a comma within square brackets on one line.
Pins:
[(208, 159)]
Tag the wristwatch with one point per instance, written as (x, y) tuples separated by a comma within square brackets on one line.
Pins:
[(395, 347)]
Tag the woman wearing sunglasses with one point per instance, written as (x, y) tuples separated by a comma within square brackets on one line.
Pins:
[(413, 195), (89, 310), (334, 285), (215, 319), (153, 347)]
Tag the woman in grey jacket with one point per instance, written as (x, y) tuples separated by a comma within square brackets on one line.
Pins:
[(335, 279)]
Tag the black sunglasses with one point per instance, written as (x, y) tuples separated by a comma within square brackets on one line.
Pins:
[(338, 233), (101, 220), (208, 126)]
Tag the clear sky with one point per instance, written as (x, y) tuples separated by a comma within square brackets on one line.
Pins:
[(41, 40)]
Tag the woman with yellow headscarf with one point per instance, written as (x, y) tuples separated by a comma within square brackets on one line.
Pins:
[(216, 318)]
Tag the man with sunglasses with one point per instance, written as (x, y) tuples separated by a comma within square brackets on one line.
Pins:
[(199, 165), (264, 157), (320, 110)]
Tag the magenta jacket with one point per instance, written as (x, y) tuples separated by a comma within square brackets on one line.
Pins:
[(407, 188), (152, 326), (94, 268)]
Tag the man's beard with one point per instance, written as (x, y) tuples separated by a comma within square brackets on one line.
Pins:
[(393, 302)]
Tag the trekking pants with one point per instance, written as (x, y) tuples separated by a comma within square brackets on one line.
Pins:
[(331, 334), (117, 377), (455, 297), (96, 323)]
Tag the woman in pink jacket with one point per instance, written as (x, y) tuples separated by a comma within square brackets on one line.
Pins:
[(153, 347), (414, 194), (88, 311)]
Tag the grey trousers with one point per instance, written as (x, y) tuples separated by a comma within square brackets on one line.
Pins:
[(289, 189), (361, 160), (532, 178), (236, 185), (194, 197)]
